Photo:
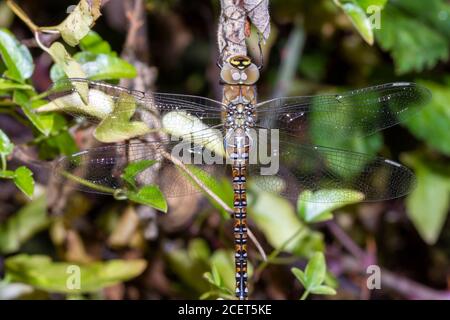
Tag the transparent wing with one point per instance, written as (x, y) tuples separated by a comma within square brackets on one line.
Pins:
[(354, 113), (339, 173), (102, 169), (94, 101)]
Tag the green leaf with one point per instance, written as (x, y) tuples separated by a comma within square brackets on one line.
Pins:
[(77, 25), (134, 168), (42, 273), (43, 123), (151, 196), (24, 180), (359, 19), (216, 278), (59, 142), (68, 64), (117, 125), (7, 85), (427, 206), (98, 104), (432, 122), (300, 275), (323, 290), (104, 66), (17, 58), (314, 276), (7, 174), (189, 269), (210, 278), (182, 124), (220, 187), (312, 207), (198, 249), (365, 4), (279, 227), (416, 38), (92, 42), (315, 271), (283, 230), (6, 146), (223, 269), (98, 67), (29, 220)]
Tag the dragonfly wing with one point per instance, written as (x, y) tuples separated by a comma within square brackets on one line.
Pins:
[(354, 113), (103, 169), (340, 173), (94, 101)]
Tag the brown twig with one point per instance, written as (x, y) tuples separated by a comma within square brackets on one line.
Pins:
[(134, 16), (358, 263)]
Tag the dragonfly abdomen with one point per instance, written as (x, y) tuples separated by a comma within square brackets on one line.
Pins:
[(240, 229)]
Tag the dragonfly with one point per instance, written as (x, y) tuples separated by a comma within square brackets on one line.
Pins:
[(261, 144)]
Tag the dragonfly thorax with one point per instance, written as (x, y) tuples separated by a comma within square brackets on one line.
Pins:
[(240, 116)]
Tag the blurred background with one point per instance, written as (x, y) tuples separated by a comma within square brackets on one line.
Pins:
[(131, 251)]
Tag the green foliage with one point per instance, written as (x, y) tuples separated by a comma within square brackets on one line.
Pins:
[(190, 265), (59, 141), (94, 43), (79, 22), (42, 273), (428, 204), (68, 64), (98, 66), (219, 186), (23, 178), (432, 122), (324, 133), (118, 126), (15, 56), (149, 195), (312, 279), (43, 123), (20, 227), (276, 218), (134, 168), (414, 35), (222, 275), (312, 208), (97, 61), (6, 146), (356, 11), (366, 4)]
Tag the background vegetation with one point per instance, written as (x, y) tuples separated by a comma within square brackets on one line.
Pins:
[(131, 251)]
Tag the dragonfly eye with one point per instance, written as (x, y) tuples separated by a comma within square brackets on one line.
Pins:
[(240, 62)]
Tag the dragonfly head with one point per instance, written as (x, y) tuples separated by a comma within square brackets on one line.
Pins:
[(239, 70), (240, 62)]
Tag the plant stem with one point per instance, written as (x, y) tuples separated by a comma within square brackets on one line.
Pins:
[(304, 295), (3, 161), (22, 15), (87, 183)]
